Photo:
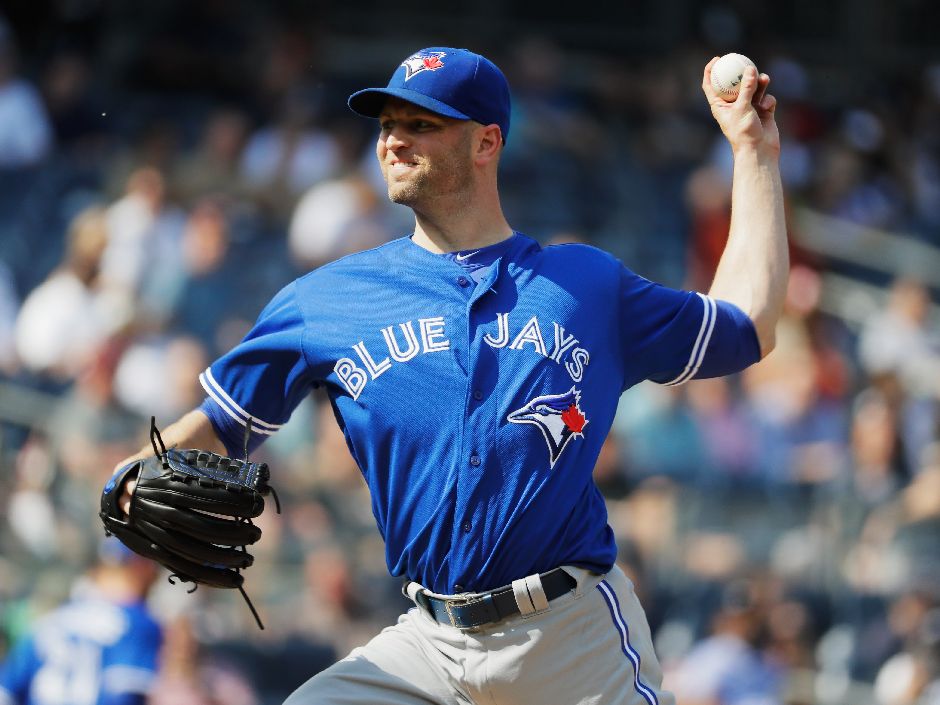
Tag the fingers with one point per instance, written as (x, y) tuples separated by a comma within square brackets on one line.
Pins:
[(127, 496), (707, 81), (755, 85), (763, 80), (749, 86), (768, 104)]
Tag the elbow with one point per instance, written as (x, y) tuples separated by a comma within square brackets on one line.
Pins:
[(766, 333), (767, 343)]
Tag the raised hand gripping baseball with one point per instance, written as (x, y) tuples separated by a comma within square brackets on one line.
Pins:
[(189, 510), (748, 121)]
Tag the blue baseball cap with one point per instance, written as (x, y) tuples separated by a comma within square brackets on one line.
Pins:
[(453, 82), (113, 552)]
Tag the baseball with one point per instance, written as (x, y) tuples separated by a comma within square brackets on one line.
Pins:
[(727, 74)]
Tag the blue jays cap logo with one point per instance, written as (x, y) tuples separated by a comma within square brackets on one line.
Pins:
[(423, 61), (558, 417)]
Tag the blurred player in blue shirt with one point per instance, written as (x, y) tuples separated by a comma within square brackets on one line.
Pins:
[(100, 648)]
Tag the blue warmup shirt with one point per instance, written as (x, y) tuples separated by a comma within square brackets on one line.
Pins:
[(475, 404), (90, 651)]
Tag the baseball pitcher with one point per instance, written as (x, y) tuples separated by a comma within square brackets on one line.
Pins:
[(475, 375)]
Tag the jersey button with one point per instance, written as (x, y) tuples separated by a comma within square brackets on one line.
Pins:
[(467, 526), (458, 587), (477, 394), (475, 460), (463, 281)]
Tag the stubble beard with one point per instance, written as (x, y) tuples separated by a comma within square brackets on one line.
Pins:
[(409, 193)]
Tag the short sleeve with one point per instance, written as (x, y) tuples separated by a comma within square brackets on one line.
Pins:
[(670, 336), (263, 378)]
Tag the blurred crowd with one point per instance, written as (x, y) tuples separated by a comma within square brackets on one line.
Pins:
[(782, 526)]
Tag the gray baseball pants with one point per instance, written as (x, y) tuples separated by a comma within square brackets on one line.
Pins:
[(589, 646)]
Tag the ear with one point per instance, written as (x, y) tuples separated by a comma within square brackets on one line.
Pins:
[(488, 144)]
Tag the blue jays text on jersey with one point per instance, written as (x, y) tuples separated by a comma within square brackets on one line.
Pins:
[(474, 392), (433, 338)]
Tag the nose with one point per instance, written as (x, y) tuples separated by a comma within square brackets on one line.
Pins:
[(394, 139)]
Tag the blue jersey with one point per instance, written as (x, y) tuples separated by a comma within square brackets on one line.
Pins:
[(88, 652), (474, 391)]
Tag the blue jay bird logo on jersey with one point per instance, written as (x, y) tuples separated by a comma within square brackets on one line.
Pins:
[(423, 61), (558, 417)]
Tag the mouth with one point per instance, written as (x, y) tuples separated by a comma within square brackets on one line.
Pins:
[(400, 169)]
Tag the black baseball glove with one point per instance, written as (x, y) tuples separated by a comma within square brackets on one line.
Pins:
[(191, 512)]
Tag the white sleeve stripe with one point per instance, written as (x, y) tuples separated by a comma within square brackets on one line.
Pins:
[(708, 336), (231, 402), (221, 402), (709, 314), (706, 311), (713, 311)]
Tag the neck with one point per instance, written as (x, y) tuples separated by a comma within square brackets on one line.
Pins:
[(451, 226)]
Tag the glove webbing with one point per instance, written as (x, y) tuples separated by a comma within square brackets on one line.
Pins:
[(162, 456)]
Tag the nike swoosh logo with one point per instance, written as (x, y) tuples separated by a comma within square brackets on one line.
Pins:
[(460, 258)]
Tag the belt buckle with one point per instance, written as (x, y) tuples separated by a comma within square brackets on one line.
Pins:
[(488, 612), (450, 615)]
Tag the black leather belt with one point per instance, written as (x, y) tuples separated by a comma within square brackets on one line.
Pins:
[(487, 607)]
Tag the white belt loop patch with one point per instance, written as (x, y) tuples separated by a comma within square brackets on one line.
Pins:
[(537, 592), (411, 591), (523, 601)]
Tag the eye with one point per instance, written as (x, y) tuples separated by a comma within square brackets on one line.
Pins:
[(423, 125), (386, 125)]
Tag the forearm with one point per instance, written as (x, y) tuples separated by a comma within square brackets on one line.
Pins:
[(754, 267), (194, 430)]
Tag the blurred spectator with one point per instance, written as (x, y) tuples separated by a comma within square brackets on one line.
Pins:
[(900, 350), (727, 668), (212, 168), (201, 292), (64, 319), (708, 197), (336, 218), (878, 469), (25, 132), (283, 159), (897, 340), (727, 430), (179, 681), (154, 144), (188, 675), (800, 432), (143, 237), (659, 434), (89, 431), (912, 677), (160, 377), (101, 647), (331, 601), (30, 512)]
